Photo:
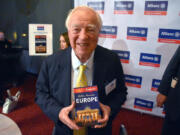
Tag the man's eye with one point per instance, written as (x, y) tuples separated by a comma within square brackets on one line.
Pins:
[(76, 30), (91, 30)]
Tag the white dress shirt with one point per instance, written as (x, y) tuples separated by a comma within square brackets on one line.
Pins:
[(75, 70)]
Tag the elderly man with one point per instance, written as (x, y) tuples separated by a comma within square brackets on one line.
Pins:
[(59, 73)]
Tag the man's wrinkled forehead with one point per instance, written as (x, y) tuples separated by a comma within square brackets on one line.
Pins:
[(83, 15)]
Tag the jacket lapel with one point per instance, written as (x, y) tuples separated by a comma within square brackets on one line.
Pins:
[(99, 72), (65, 70)]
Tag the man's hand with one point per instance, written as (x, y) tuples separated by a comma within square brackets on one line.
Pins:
[(160, 99), (106, 110), (64, 116)]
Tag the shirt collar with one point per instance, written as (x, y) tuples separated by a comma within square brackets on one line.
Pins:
[(76, 62)]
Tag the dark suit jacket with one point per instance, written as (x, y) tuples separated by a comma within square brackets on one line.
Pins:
[(172, 105), (54, 86)]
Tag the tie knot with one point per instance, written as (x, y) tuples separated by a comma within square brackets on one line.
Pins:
[(82, 68)]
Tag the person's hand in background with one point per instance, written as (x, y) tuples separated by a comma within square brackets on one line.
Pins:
[(160, 100)]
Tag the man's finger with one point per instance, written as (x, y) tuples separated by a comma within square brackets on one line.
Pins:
[(102, 125), (71, 107)]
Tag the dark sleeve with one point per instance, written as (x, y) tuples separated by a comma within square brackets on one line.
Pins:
[(170, 72), (118, 96), (44, 97)]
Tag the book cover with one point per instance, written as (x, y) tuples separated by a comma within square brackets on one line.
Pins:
[(87, 110), (40, 43)]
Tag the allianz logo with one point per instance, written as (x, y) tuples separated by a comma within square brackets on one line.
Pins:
[(120, 5), (133, 79), (144, 103), (140, 102), (176, 34), (157, 83), (123, 55), (142, 32), (110, 29), (157, 5), (150, 58), (96, 5)]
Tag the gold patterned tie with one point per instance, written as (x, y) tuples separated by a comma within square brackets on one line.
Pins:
[(81, 82)]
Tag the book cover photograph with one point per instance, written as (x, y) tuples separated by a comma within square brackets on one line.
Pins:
[(40, 43), (87, 109)]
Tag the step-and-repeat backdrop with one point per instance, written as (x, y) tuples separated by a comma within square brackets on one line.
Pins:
[(145, 35)]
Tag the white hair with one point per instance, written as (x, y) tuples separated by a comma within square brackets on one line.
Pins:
[(99, 21)]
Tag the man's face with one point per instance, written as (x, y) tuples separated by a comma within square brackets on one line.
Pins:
[(83, 33)]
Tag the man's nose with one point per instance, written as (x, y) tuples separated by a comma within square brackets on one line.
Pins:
[(83, 34)]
